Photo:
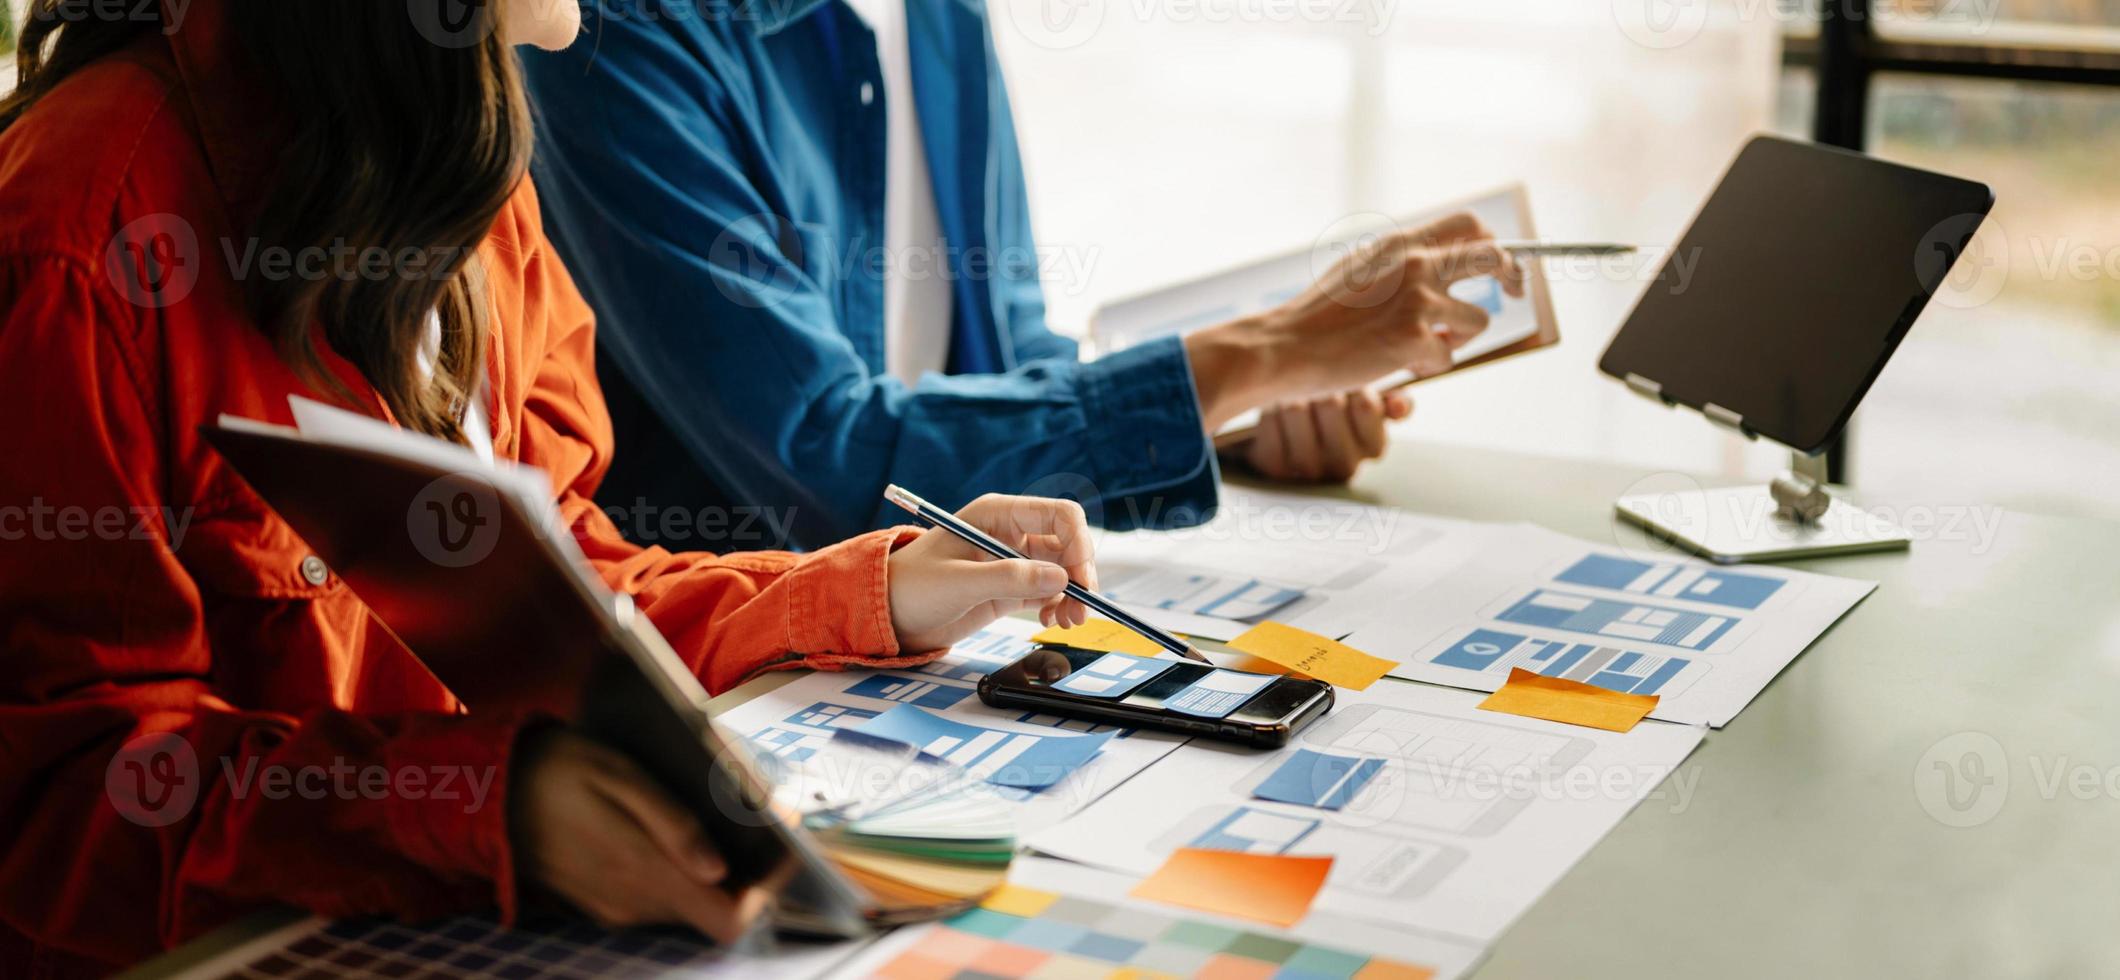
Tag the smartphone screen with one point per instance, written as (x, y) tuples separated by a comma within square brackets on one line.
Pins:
[(1175, 695)]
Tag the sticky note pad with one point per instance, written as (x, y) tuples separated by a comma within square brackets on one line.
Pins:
[(1101, 635), (1571, 702), (1328, 660), (1273, 888)]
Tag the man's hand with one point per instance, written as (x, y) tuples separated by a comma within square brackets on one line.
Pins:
[(1385, 307), (943, 589), (1326, 439), (592, 828)]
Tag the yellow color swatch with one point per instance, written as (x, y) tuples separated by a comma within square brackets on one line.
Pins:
[(1305, 652), (1019, 901), (1570, 702), (1273, 888), (1101, 635)]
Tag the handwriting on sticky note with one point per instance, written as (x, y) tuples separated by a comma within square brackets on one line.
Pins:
[(1271, 888), (1570, 702), (1308, 653), (1101, 635)]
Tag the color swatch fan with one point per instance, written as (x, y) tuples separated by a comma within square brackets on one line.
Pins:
[(916, 832)]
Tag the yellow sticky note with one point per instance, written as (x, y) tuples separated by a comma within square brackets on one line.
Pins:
[(1305, 652), (1570, 702), (1271, 888), (1101, 635)]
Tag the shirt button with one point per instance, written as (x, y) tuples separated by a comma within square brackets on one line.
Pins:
[(314, 571), (868, 93)]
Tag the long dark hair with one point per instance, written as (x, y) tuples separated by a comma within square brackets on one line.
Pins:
[(399, 140)]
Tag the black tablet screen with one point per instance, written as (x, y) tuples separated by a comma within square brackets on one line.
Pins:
[(1795, 282)]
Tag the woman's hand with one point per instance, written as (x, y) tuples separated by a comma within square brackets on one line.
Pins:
[(592, 828), (1325, 439), (1385, 307), (943, 589)]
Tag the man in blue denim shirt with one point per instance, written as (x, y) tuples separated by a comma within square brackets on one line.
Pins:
[(714, 173)]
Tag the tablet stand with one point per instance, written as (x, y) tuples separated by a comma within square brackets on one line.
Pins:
[(1795, 517)]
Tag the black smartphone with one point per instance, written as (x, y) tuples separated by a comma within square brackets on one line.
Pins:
[(1262, 710)]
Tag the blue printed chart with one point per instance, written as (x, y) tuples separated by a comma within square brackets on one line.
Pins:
[(892, 687), (1234, 597), (1114, 675), (1647, 623), (1218, 693), (1703, 639), (983, 653), (1629, 671), (1318, 779), (1673, 580), (825, 714), (1256, 832), (1004, 758)]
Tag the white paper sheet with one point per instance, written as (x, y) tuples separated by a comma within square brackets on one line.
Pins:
[(1706, 639), (1470, 818), (1349, 562)]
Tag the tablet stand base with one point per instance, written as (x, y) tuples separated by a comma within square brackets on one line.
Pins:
[(1793, 517)]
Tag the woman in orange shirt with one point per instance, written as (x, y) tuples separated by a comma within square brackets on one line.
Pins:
[(206, 206)]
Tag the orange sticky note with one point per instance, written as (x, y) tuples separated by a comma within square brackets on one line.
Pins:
[(1271, 888), (1305, 652), (1101, 635), (1570, 702)]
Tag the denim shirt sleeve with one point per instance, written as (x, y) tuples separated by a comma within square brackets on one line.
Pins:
[(659, 196)]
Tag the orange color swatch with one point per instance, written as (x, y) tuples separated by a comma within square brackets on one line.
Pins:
[(1305, 652), (1569, 702), (1271, 888)]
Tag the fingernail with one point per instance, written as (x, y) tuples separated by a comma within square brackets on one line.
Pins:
[(1052, 578)]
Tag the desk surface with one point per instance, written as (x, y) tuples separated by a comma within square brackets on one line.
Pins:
[(1810, 842)]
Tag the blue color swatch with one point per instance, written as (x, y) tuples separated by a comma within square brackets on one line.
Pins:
[(1318, 779)]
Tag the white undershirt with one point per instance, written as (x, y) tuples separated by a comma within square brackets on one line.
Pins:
[(477, 429), (916, 293)]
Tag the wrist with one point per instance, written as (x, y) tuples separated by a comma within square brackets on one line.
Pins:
[(1232, 369)]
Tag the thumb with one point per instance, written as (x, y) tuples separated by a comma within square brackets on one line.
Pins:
[(1013, 578)]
